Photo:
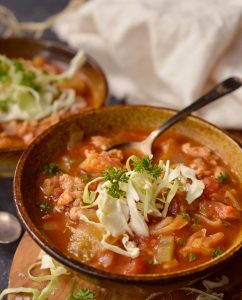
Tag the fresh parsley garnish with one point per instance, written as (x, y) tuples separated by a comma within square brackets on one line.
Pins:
[(4, 105), (3, 70), (115, 176), (145, 164), (50, 169), (29, 79), (185, 216), (191, 256), (18, 65), (217, 252), (222, 177), (81, 294), (85, 178), (45, 207)]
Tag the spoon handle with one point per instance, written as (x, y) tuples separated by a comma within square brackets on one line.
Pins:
[(225, 87)]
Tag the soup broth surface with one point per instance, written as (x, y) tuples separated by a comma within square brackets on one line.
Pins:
[(188, 234)]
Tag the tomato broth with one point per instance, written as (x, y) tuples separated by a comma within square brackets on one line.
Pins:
[(186, 235)]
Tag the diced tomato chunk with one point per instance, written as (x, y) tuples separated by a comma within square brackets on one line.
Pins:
[(211, 185), (136, 266)]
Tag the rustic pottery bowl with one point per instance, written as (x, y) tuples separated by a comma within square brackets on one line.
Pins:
[(61, 55), (104, 120)]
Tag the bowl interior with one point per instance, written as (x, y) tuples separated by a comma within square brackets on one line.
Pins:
[(61, 55), (104, 120)]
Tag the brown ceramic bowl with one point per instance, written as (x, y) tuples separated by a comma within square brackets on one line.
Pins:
[(59, 54), (100, 121)]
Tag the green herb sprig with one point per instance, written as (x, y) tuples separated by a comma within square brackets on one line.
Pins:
[(217, 252), (222, 178), (50, 169), (145, 164), (18, 65), (191, 257), (3, 71), (115, 176), (29, 79), (4, 105), (45, 207), (185, 216), (81, 294)]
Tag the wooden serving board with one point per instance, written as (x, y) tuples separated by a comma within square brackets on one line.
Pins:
[(28, 252)]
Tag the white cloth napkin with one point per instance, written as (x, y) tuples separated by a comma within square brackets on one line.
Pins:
[(163, 52)]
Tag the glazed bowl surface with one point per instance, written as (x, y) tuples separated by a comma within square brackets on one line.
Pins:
[(59, 54), (112, 119)]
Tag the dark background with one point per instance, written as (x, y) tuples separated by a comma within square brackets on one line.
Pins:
[(25, 10)]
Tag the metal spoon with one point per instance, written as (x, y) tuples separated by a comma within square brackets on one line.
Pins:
[(224, 88), (10, 228)]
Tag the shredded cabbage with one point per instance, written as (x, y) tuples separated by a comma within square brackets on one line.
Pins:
[(130, 249), (46, 262), (142, 195), (137, 221), (40, 96), (113, 215)]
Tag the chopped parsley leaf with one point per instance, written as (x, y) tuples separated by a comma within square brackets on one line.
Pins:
[(115, 191), (191, 256), (115, 176), (81, 294), (29, 79), (50, 169), (45, 207), (222, 177), (145, 164), (3, 70), (19, 67), (85, 178), (4, 105), (217, 252), (185, 216)]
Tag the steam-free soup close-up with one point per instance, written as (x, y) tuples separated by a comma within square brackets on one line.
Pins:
[(127, 213)]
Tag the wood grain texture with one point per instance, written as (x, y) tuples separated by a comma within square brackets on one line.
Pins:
[(28, 251)]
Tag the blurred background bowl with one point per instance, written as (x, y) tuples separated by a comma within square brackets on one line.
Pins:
[(60, 55)]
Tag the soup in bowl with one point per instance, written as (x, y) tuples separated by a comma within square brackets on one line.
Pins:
[(42, 83), (126, 217)]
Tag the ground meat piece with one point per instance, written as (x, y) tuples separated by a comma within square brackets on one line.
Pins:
[(200, 167), (101, 142), (98, 162), (196, 151), (69, 183), (65, 198), (50, 185), (73, 190), (200, 151)]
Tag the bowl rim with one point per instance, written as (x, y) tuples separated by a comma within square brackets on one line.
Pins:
[(53, 45), (151, 279)]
